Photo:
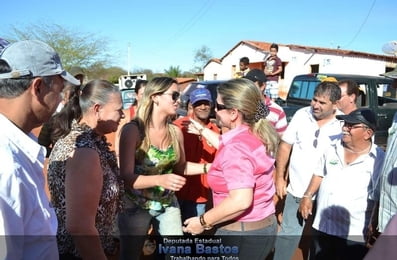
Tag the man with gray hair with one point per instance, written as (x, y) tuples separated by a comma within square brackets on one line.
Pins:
[(31, 80)]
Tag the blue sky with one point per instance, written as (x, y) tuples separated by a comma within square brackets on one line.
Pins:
[(167, 33)]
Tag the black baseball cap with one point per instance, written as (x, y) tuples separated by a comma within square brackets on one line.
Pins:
[(362, 115), (256, 75)]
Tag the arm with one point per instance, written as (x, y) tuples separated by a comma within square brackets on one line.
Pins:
[(283, 154), (117, 134), (83, 186), (211, 136), (237, 202), (306, 204), (128, 144), (278, 71), (181, 164), (193, 168)]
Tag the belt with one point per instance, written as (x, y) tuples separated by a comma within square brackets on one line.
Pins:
[(248, 226)]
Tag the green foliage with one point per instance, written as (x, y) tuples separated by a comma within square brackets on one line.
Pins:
[(76, 48), (201, 57), (90, 52), (173, 72)]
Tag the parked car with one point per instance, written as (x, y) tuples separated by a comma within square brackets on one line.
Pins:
[(377, 94), (211, 85), (128, 97)]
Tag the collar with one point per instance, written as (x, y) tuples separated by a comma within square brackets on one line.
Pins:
[(229, 135), (27, 143)]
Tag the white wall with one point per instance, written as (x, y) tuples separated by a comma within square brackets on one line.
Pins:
[(298, 62)]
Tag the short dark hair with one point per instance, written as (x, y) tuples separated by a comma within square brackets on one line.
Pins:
[(245, 60), (352, 87), (330, 89), (11, 88), (274, 45), (139, 84)]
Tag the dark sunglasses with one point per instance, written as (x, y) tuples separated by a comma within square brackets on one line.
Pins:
[(174, 95), (220, 107), (351, 126), (316, 134)]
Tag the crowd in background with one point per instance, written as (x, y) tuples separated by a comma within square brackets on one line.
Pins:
[(170, 176)]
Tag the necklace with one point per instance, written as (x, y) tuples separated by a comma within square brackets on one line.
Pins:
[(358, 152)]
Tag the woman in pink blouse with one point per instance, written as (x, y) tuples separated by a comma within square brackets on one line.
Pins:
[(241, 175)]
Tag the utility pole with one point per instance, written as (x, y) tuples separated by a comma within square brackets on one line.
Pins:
[(129, 58)]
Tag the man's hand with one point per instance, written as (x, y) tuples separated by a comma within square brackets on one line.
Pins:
[(281, 187), (305, 207)]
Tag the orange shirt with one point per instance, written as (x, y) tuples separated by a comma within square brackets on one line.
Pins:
[(198, 150)]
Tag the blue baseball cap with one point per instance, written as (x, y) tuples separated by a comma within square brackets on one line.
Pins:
[(200, 94), (34, 59)]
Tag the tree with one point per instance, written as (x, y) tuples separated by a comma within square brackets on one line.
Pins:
[(75, 48), (201, 57), (173, 72)]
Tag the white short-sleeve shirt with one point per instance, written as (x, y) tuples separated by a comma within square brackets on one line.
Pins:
[(308, 143), (28, 223), (342, 200)]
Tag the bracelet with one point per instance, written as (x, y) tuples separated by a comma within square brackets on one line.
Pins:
[(204, 224), (205, 168), (307, 195)]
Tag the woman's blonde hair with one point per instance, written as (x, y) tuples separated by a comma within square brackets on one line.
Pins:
[(244, 95), (144, 116)]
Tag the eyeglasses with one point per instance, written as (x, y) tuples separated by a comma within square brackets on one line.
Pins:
[(174, 95), (220, 107), (350, 126), (315, 141)]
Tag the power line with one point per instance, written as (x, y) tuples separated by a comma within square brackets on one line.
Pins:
[(193, 20), (361, 26)]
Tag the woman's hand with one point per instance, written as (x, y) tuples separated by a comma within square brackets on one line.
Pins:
[(194, 127), (193, 226), (171, 181)]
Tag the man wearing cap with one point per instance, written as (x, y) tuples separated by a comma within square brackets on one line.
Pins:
[(276, 115), (31, 80), (194, 196), (345, 181)]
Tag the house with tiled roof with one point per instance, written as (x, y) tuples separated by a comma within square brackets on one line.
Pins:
[(299, 59)]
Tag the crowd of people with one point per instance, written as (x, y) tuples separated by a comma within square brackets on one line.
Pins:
[(186, 176)]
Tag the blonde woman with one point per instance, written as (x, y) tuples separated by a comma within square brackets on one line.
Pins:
[(152, 158), (241, 175)]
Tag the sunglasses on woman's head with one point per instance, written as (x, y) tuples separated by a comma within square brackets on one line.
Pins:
[(174, 95)]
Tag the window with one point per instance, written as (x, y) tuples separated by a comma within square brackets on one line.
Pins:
[(303, 89), (315, 68)]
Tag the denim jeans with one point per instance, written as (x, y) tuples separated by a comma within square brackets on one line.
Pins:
[(134, 224), (253, 244), (291, 229)]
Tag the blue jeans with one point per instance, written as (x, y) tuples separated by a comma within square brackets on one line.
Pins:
[(253, 244), (134, 224), (291, 229), (191, 209)]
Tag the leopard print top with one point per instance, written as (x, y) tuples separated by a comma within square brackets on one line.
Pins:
[(82, 136)]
